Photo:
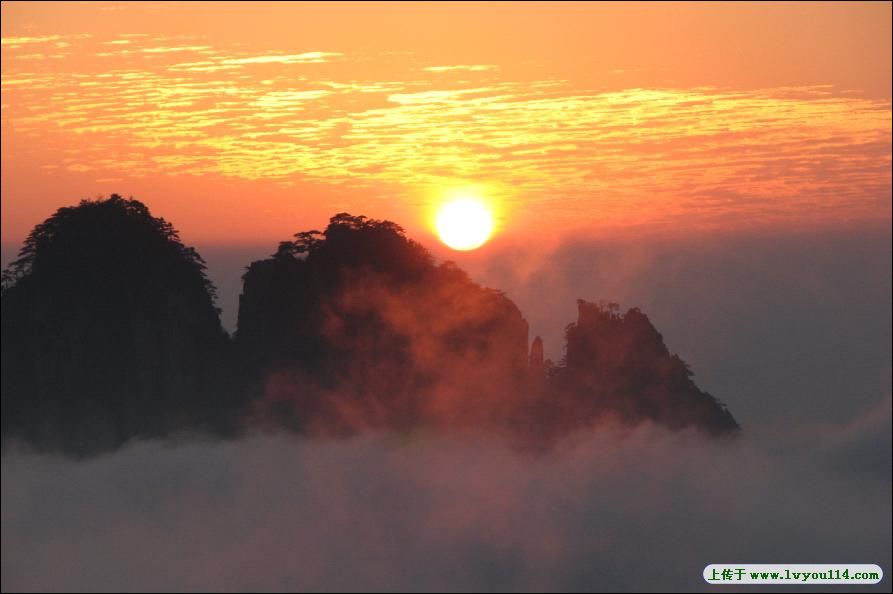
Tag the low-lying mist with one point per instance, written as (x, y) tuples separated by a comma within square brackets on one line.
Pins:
[(616, 509)]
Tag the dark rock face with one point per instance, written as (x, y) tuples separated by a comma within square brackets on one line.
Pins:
[(109, 331), (617, 364), (356, 327)]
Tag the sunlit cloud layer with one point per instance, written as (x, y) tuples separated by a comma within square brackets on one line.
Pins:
[(138, 105)]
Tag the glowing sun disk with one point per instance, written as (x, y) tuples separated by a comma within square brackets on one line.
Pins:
[(464, 223)]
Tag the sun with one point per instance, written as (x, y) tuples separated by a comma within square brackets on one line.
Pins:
[(464, 223)]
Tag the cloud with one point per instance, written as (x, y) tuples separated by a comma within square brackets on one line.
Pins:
[(615, 510), (304, 58), (182, 48), (19, 41), (702, 157)]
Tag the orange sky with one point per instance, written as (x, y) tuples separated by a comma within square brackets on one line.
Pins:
[(248, 122)]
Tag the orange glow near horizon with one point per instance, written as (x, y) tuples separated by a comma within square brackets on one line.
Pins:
[(248, 122)]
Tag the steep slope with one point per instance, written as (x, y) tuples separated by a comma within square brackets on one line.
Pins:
[(109, 331)]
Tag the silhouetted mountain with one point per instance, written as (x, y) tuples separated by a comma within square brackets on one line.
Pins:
[(356, 327), (109, 331), (617, 365)]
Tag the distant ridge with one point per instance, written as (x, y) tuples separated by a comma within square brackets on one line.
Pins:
[(110, 333)]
